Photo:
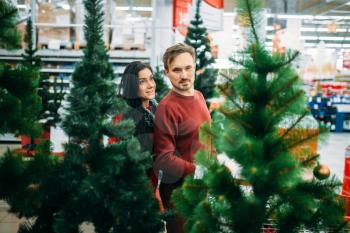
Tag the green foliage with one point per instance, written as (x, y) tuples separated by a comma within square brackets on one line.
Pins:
[(29, 57), (105, 185), (248, 11), (19, 104), (162, 88), (197, 37), (262, 128), (9, 36), (21, 180), (51, 100)]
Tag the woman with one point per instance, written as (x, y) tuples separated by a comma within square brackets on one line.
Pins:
[(137, 88)]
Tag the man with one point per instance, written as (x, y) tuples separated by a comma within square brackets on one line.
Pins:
[(177, 121)]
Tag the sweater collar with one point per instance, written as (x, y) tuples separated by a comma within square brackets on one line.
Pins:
[(182, 96)]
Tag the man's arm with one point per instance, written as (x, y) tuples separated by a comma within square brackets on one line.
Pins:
[(166, 159)]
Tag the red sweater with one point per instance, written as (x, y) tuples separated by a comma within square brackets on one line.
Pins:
[(176, 132)]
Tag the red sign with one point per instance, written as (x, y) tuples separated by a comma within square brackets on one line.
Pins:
[(215, 3), (181, 12)]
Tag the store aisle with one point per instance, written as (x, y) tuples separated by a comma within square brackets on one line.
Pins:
[(333, 152)]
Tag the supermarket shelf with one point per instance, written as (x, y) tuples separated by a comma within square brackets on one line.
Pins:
[(61, 63), (9, 138), (66, 71), (65, 55), (49, 70)]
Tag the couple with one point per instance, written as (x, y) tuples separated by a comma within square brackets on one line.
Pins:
[(173, 125)]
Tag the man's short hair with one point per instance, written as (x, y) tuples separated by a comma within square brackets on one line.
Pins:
[(172, 52)]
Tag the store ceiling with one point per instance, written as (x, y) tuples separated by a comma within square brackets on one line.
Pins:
[(313, 7), (322, 20), (309, 7), (304, 7)]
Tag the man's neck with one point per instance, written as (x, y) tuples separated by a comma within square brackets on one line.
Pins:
[(189, 92)]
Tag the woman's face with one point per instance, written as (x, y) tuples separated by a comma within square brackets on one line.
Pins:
[(147, 85)]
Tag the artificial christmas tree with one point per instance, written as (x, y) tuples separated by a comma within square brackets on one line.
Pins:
[(271, 184), (19, 103), (162, 88), (50, 89), (51, 93), (114, 182), (197, 37), (105, 185), (29, 57)]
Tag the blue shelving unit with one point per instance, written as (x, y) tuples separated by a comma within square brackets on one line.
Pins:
[(333, 111)]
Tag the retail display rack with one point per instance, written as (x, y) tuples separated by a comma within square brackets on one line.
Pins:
[(60, 64)]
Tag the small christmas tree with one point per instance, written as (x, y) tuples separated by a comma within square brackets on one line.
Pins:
[(105, 185), (51, 91), (261, 127), (30, 58), (162, 88), (19, 103), (110, 180), (197, 37)]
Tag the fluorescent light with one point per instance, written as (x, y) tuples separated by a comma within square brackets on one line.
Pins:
[(334, 45), (122, 8), (307, 29), (289, 16), (332, 17), (331, 38), (321, 38), (308, 37), (341, 30), (327, 22), (136, 8), (142, 8), (321, 17), (21, 6), (326, 45), (307, 16)]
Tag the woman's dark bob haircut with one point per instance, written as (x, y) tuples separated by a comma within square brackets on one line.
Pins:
[(129, 85)]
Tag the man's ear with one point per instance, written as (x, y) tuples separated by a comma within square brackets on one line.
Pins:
[(166, 71)]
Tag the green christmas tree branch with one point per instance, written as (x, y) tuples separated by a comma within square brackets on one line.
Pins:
[(250, 130)]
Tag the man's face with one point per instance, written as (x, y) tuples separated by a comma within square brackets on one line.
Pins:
[(181, 73)]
